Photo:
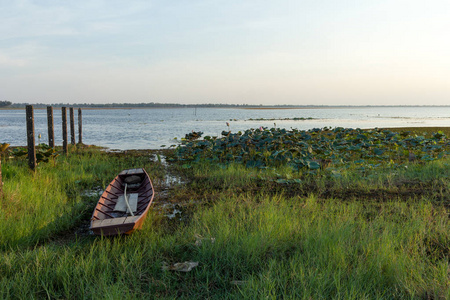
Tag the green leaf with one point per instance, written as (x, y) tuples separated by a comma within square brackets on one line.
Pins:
[(378, 151), (313, 165)]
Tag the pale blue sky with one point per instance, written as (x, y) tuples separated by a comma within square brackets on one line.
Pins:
[(256, 52)]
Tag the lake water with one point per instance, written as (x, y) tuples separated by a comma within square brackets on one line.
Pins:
[(150, 128)]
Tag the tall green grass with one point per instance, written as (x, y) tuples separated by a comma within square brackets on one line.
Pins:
[(263, 247), (413, 181), (302, 248), (253, 237), (36, 205)]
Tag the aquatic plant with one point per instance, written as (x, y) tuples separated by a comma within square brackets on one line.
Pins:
[(194, 135), (44, 153), (315, 148)]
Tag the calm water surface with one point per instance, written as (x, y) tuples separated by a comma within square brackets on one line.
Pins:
[(151, 128)]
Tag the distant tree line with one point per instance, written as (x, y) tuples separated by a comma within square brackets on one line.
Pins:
[(177, 105), (146, 105), (5, 103)]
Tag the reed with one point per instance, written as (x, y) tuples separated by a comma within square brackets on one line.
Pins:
[(256, 233)]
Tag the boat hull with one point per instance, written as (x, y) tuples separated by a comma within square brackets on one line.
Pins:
[(106, 221)]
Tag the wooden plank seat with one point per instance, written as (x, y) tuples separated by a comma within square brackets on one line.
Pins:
[(132, 171), (113, 222)]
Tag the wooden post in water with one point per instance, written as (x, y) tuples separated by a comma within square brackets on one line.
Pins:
[(72, 127), (64, 129), (80, 135), (51, 131), (30, 137)]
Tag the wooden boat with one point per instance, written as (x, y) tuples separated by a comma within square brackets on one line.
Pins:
[(123, 206)]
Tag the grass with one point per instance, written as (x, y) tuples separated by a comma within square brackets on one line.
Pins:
[(413, 181), (298, 248), (337, 233), (38, 205)]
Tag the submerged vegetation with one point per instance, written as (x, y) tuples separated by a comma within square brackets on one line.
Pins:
[(268, 213)]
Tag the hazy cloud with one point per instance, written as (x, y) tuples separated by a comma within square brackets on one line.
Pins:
[(321, 52)]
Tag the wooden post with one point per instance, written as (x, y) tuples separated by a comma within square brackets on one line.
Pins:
[(80, 135), (1, 182), (72, 127), (30, 137), (51, 131), (64, 129)]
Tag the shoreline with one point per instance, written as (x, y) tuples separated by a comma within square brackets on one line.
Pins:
[(191, 106), (416, 130)]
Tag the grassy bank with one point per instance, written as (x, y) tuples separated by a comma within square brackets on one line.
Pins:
[(58, 196), (338, 232)]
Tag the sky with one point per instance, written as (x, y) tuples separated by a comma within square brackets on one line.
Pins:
[(311, 52)]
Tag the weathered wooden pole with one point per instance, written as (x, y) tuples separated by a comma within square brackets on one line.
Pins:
[(1, 182), (30, 137), (72, 126), (80, 135), (51, 131), (64, 129)]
